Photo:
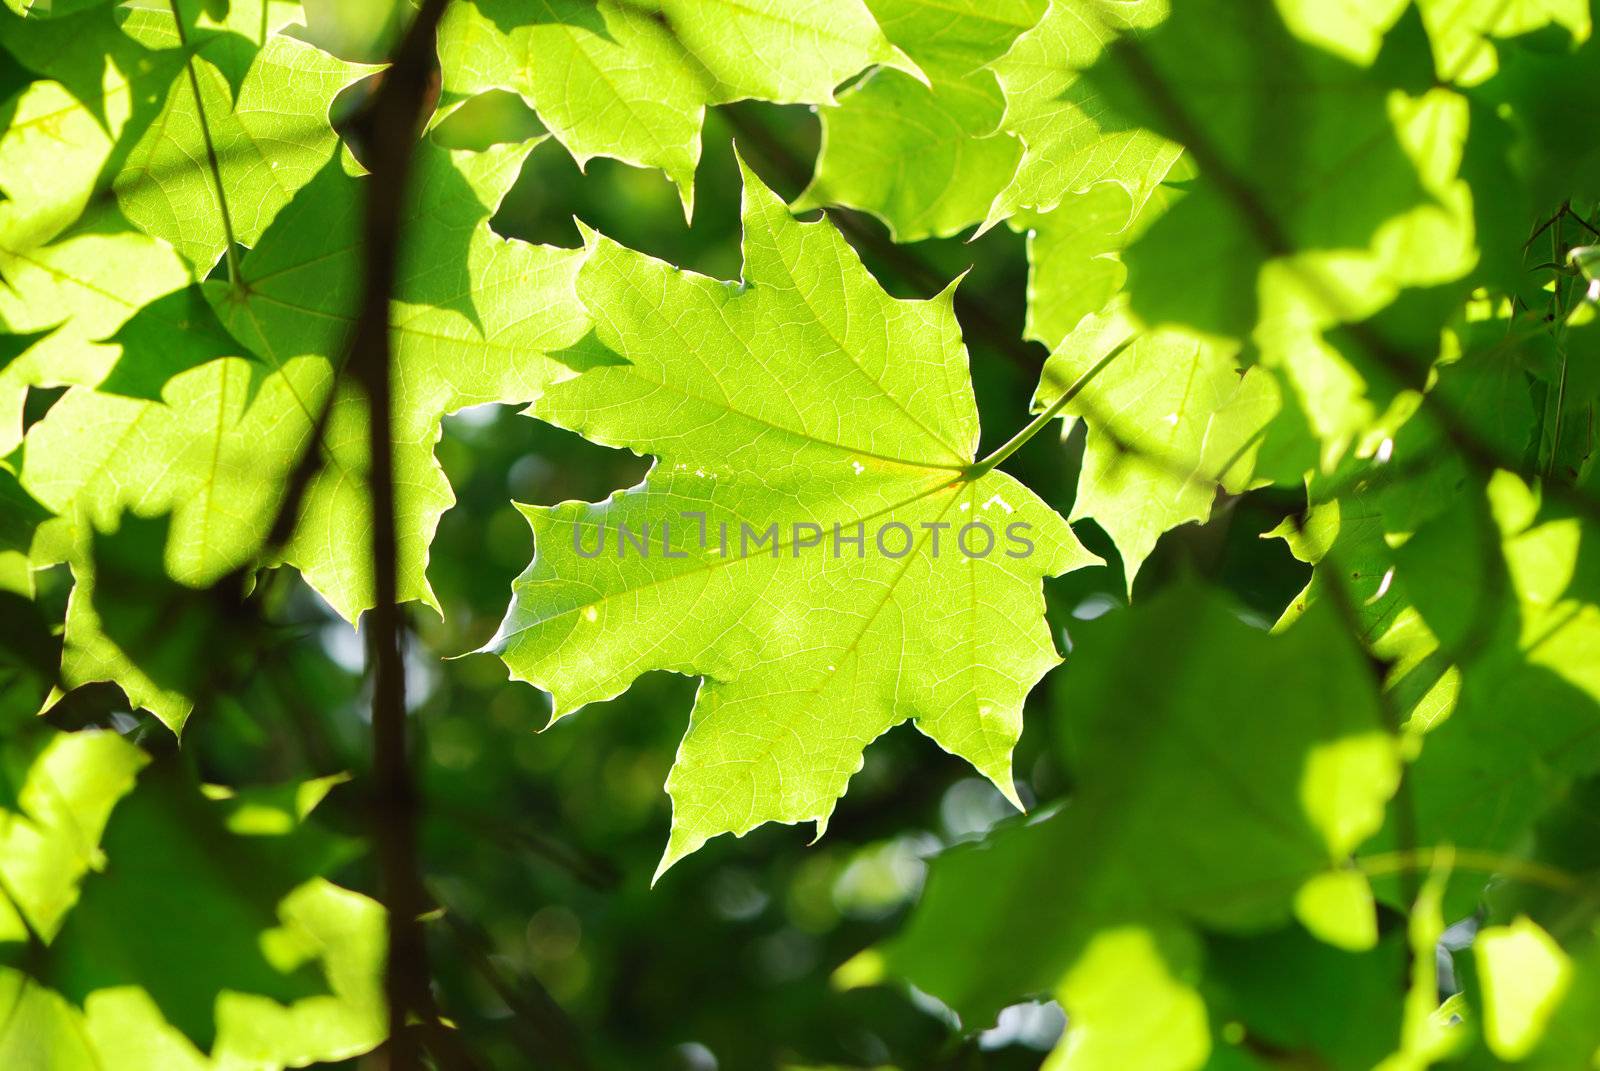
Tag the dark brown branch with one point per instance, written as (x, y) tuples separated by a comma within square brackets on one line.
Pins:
[(306, 467), (391, 128)]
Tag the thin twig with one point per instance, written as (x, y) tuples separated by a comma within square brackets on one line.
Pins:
[(1529, 871), (549, 1037)]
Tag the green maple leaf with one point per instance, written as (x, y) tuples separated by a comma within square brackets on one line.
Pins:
[(1540, 1000), (925, 157), (62, 789), (13, 346), (107, 71), (271, 134), (114, 110), (153, 100), (46, 9), (1364, 510), (1468, 35), (1222, 794), (20, 516), (71, 297), (1075, 254), (1071, 137), (1279, 987), (1344, 538), (162, 642), (1481, 609), (1502, 584), (475, 315), (1172, 418), (231, 33), (30, 652), (1549, 93), (632, 80), (171, 335), (477, 318), (801, 396), (13, 80)]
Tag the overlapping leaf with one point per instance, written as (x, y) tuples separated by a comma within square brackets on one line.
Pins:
[(475, 316), (68, 289), (925, 157), (245, 957), (1301, 151), (1072, 136), (632, 80), (271, 134), (1172, 420), (1308, 223), (1528, 710)]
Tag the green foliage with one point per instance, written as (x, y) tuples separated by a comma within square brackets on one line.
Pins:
[(632, 81), (1313, 767)]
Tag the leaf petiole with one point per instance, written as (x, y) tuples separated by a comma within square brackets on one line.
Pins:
[(1016, 442), (211, 150)]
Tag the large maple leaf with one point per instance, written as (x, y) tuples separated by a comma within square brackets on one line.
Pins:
[(788, 413)]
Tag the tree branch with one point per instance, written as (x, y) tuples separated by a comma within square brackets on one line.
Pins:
[(391, 128)]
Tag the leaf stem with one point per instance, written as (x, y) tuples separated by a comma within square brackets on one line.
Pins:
[(1017, 441), (1384, 864), (230, 252)]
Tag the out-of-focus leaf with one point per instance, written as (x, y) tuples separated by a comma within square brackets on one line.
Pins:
[(1073, 135), (244, 957), (475, 315), (1297, 150), (1210, 793), (166, 645)]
